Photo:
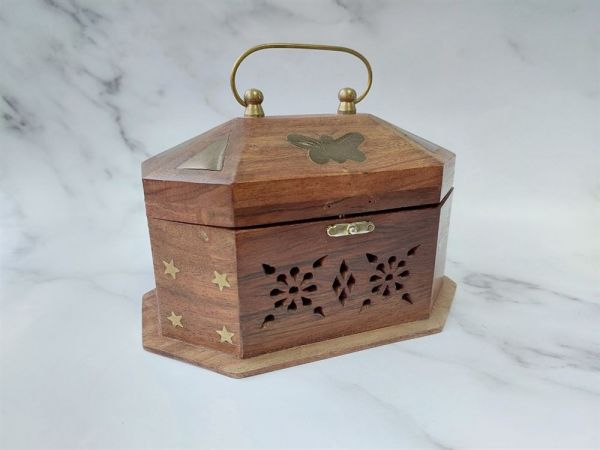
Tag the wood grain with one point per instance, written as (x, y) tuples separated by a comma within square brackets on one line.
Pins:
[(261, 222), (266, 180), (197, 251), (279, 297), (232, 366), (363, 305)]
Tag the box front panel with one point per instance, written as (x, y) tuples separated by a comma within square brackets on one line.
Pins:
[(298, 285), (196, 284)]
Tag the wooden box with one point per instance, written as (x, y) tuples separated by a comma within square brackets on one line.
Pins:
[(282, 240)]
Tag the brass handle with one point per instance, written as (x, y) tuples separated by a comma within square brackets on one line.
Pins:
[(253, 97)]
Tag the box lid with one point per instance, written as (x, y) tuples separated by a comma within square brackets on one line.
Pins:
[(255, 171), (263, 170)]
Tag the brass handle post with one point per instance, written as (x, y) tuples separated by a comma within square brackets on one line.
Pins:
[(253, 98)]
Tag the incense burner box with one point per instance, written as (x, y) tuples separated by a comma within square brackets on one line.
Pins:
[(282, 240)]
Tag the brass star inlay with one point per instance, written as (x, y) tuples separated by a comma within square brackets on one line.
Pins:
[(170, 269), (175, 320), (220, 280), (226, 335)]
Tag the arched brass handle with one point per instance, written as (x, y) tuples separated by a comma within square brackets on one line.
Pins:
[(253, 97)]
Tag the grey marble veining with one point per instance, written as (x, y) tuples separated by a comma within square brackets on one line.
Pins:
[(89, 89)]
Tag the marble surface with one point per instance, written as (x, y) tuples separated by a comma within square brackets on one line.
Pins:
[(89, 89)]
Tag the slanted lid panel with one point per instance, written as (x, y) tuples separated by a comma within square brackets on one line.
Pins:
[(446, 157), (207, 158), (303, 167), (299, 147)]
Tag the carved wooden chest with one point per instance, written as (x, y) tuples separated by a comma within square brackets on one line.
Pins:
[(282, 240)]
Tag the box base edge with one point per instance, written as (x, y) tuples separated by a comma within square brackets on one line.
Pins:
[(235, 367)]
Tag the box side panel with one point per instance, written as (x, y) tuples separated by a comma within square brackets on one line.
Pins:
[(195, 271), (442, 243), (299, 285)]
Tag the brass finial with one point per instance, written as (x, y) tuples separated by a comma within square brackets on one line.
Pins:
[(253, 99), (347, 97)]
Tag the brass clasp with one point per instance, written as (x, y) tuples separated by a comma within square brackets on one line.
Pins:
[(350, 229)]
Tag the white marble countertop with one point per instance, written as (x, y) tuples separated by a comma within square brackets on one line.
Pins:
[(91, 89)]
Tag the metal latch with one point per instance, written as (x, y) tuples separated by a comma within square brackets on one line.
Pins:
[(349, 229)]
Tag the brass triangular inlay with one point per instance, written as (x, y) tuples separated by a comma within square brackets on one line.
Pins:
[(210, 157)]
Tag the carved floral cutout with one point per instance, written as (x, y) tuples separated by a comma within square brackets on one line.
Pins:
[(389, 276), (293, 290)]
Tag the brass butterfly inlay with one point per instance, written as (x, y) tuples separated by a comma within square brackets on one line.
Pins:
[(327, 148)]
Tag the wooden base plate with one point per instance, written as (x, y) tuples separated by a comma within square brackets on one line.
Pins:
[(234, 367)]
